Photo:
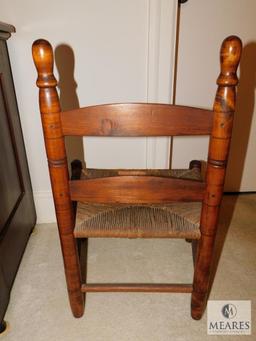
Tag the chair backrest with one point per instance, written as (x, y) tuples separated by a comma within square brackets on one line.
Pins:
[(137, 120)]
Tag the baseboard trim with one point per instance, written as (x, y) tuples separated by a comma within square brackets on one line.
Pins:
[(44, 207)]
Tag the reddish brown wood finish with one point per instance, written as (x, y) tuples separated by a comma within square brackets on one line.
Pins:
[(224, 107), (179, 288), (136, 189), (137, 119), (56, 154)]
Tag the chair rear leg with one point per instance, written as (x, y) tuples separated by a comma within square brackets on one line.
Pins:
[(224, 107), (204, 250), (201, 281), (58, 168), (72, 273)]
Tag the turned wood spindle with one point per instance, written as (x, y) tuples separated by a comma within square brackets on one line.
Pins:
[(57, 161), (223, 108)]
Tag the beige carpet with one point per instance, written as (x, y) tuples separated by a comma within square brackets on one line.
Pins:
[(39, 309)]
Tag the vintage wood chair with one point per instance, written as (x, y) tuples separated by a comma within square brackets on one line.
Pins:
[(138, 203)]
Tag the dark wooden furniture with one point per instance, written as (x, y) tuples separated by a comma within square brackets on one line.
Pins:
[(17, 212), (138, 189)]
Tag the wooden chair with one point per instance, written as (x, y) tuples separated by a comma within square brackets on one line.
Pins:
[(138, 203)]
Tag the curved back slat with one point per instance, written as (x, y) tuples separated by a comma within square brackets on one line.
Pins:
[(137, 119)]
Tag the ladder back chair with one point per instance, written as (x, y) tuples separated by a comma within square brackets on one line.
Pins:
[(138, 203)]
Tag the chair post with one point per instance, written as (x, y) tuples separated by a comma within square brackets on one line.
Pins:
[(224, 107), (58, 168)]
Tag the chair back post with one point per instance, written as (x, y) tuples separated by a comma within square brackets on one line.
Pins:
[(224, 107), (58, 168)]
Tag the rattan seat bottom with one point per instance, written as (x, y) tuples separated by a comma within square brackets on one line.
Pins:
[(175, 220)]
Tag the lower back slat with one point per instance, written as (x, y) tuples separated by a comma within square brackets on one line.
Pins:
[(136, 189)]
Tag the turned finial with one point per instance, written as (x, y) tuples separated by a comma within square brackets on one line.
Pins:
[(230, 55), (43, 59)]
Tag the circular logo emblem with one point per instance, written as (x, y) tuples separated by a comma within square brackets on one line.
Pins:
[(229, 311)]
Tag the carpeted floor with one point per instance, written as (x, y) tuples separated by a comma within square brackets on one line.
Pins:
[(39, 308)]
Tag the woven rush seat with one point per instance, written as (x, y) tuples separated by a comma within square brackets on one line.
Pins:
[(172, 220)]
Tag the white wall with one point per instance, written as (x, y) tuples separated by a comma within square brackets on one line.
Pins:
[(123, 52), (203, 26)]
